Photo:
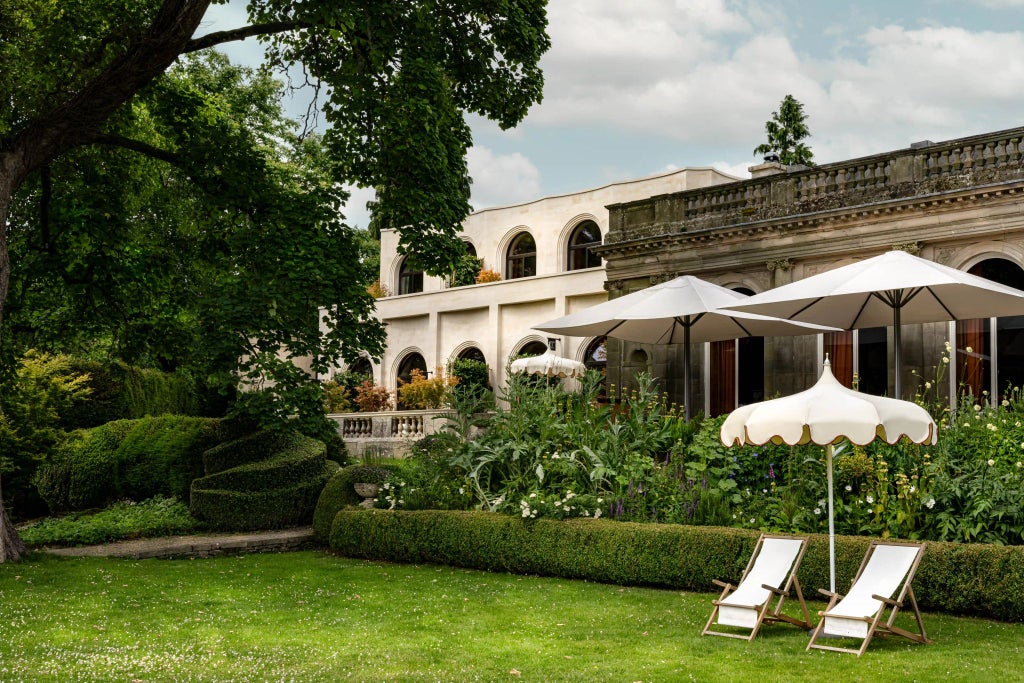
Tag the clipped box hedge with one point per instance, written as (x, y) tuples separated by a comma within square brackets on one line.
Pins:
[(275, 508), (340, 492), (971, 579), (261, 481), (134, 459)]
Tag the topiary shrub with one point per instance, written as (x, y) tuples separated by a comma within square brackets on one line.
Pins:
[(265, 480), (974, 579), (339, 493), (133, 459)]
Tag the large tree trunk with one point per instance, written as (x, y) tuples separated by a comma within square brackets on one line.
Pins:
[(79, 121), (11, 546)]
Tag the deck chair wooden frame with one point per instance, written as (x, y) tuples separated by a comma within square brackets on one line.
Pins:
[(835, 621), (761, 611)]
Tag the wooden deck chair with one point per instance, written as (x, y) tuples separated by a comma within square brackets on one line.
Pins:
[(887, 569), (770, 574)]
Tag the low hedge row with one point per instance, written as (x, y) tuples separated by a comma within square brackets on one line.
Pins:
[(261, 481), (957, 578), (340, 492), (135, 459)]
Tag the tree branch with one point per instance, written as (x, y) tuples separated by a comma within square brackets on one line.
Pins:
[(137, 146), (219, 37), (79, 119)]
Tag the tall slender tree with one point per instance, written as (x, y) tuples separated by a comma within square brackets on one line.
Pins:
[(785, 129), (396, 79)]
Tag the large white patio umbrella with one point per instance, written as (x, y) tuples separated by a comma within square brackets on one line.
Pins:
[(681, 311), (894, 288), (549, 364), (825, 414)]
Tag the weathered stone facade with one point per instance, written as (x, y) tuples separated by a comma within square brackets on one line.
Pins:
[(957, 202)]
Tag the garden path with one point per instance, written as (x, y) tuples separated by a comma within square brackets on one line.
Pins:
[(197, 546)]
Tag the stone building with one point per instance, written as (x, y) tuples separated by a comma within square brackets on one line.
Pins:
[(543, 252), (960, 203)]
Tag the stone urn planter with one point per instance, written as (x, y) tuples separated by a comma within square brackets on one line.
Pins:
[(367, 492)]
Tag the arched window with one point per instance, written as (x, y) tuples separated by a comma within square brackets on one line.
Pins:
[(472, 353), (410, 280), (534, 348), (596, 356), (521, 260), (584, 238), (992, 349), (413, 361), (470, 249), (362, 366)]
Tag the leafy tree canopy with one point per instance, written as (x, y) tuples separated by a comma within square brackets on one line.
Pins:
[(785, 130), (164, 202)]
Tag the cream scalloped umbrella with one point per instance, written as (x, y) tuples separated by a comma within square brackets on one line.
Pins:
[(549, 364), (825, 414)]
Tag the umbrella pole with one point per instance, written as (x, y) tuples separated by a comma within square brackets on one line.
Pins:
[(831, 521), (897, 356), (686, 368)]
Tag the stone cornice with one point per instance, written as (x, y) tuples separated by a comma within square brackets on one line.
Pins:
[(839, 191), (1011, 190)]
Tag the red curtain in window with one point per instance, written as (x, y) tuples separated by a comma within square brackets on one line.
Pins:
[(970, 334), (723, 377), (839, 347)]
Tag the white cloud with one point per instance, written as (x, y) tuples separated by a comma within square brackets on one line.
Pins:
[(355, 211), (739, 169), (501, 179), (703, 73)]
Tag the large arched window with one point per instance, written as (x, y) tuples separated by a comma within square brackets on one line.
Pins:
[(521, 259), (472, 353), (413, 361), (584, 238), (596, 355), (991, 350), (410, 280), (362, 366), (534, 348)]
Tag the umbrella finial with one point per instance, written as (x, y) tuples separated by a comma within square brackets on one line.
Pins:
[(827, 362)]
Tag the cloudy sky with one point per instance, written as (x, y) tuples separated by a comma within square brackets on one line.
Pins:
[(640, 87)]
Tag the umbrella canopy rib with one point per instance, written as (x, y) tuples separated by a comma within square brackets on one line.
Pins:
[(941, 303)]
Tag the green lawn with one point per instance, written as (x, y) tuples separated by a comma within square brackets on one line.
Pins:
[(310, 616)]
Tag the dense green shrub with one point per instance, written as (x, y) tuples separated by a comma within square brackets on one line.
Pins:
[(120, 391), (473, 375), (961, 579), (264, 480), (339, 493), (42, 388), (127, 459), (276, 508), (158, 516)]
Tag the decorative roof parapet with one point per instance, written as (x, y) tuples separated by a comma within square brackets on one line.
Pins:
[(919, 170)]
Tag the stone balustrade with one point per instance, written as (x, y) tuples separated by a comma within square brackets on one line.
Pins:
[(388, 432), (920, 169)]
